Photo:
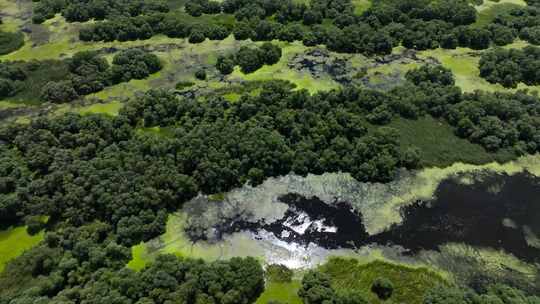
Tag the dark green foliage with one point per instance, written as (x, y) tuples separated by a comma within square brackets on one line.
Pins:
[(198, 7), (423, 35), (312, 17), (123, 29), (457, 12), (90, 73), (432, 74), (200, 74), (383, 288), (225, 65), (510, 67), (494, 120), (10, 42), (270, 53), (59, 92), (84, 263), (134, 64), (80, 11), (502, 35), (57, 150), (196, 36), (419, 24), (290, 145), (531, 34), (11, 77), (250, 59), (34, 224), (145, 26), (498, 120), (495, 294), (279, 273), (7, 87), (243, 31), (316, 289), (525, 21)]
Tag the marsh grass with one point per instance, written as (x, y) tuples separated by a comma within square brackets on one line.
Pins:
[(410, 283), (439, 145)]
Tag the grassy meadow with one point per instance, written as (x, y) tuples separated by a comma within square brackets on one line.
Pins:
[(14, 241)]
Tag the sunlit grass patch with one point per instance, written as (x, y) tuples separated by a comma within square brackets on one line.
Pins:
[(410, 283), (111, 108), (282, 292), (14, 241), (139, 257), (361, 6)]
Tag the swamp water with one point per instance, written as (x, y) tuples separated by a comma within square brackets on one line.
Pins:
[(461, 220)]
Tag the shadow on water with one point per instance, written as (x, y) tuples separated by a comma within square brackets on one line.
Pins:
[(495, 212)]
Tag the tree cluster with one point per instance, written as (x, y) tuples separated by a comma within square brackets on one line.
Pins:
[(198, 7), (495, 294), (83, 265), (250, 59), (10, 41), (316, 289), (10, 78), (511, 67), (280, 130), (417, 24), (144, 27), (84, 10), (90, 73), (494, 120), (523, 22)]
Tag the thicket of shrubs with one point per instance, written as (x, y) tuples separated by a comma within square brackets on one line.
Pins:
[(510, 67), (10, 78), (84, 10), (524, 22), (90, 73), (417, 24), (83, 265), (10, 41), (250, 59)]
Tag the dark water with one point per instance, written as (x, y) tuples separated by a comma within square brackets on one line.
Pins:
[(472, 214)]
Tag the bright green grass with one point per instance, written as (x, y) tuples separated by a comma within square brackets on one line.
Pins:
[(14, 241), (439, 145), (282, 292), (410, 283), (110, 108), (139, 257), (361, 6)]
